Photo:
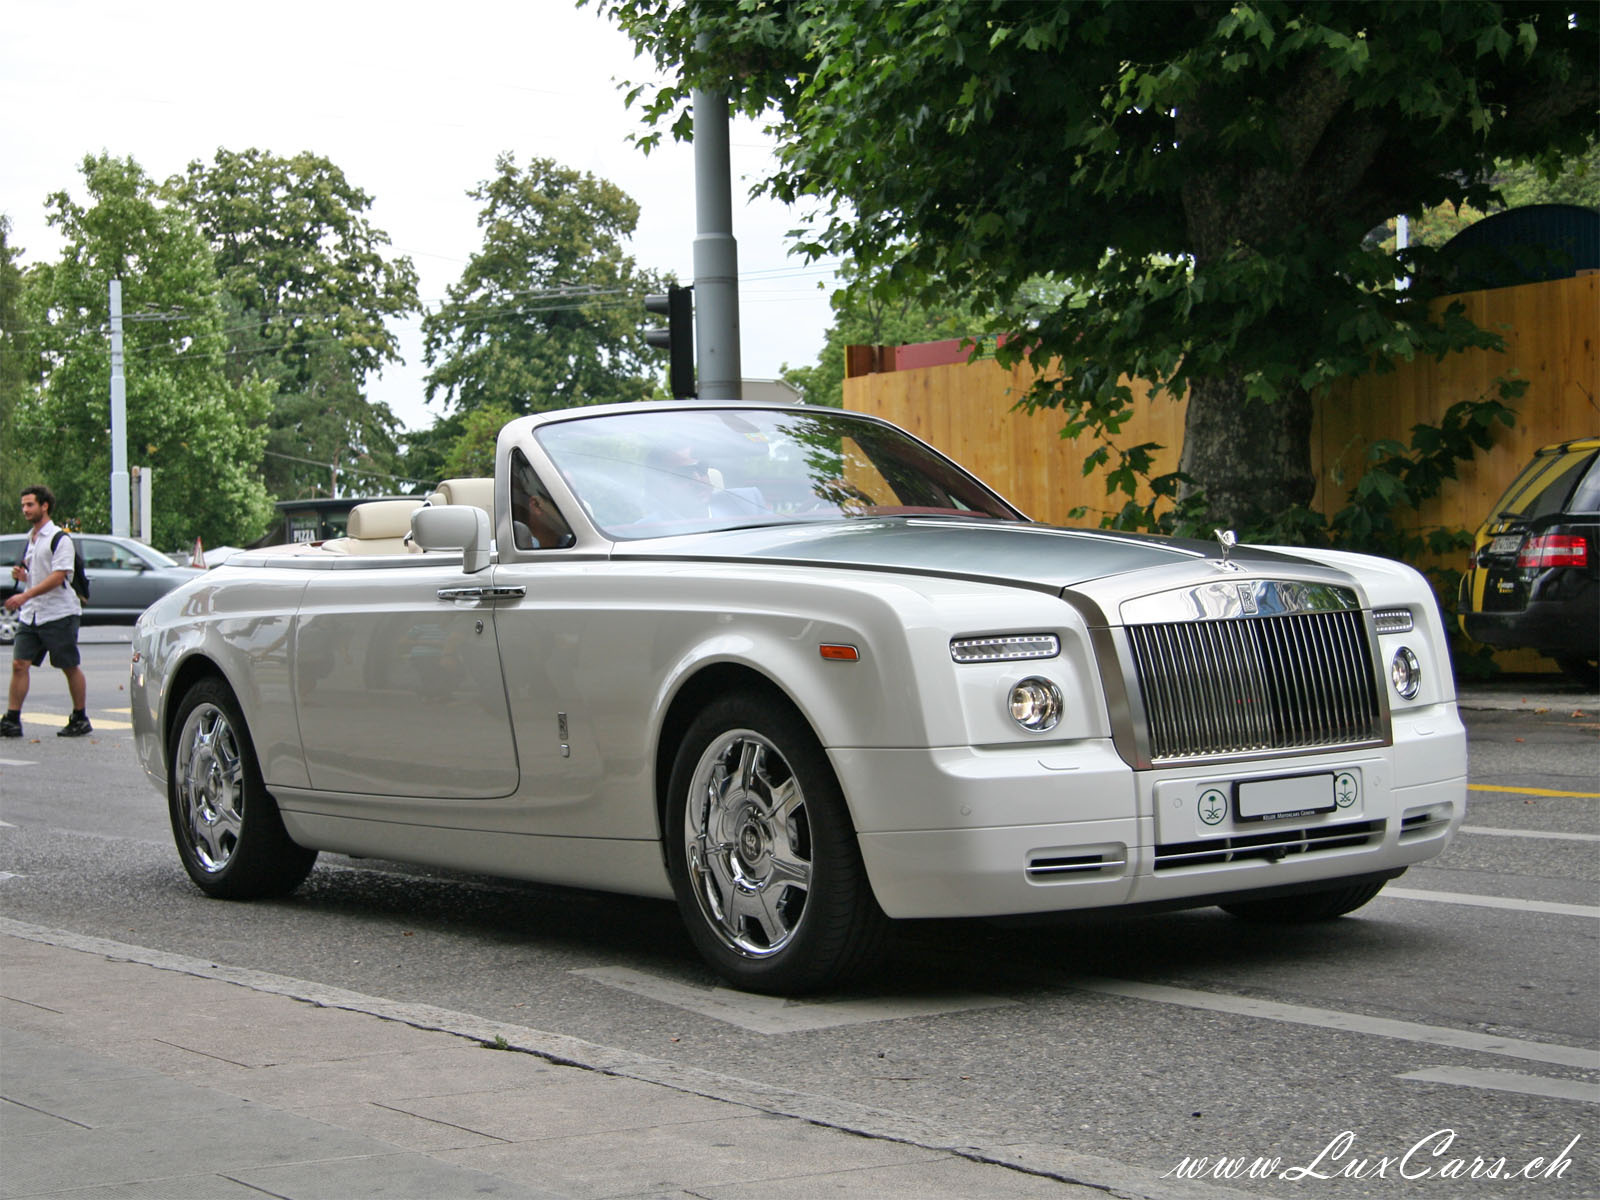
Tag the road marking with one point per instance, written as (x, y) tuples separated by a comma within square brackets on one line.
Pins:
[(1531, 833), (18, 762), (1525, 791), (56, 720), (774, 1014), (1510, 1081), (1509, 902), (1327, 1018)]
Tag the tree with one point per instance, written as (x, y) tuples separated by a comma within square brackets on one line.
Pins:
[(1202, 173), (310, 292), (549, 312), (1535, 183), (867, 316), (1518, 185), (17, 461), (200, 432)]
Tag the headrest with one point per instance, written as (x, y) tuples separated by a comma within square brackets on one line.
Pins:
[(477, 491), (382, 518)]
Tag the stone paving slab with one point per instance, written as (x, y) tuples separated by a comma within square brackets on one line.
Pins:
[(138, 1078)]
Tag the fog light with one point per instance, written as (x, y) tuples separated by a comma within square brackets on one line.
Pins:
[(1036, 704), (1405, 672)]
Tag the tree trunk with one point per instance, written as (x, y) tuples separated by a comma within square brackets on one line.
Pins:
[(1251, 459)]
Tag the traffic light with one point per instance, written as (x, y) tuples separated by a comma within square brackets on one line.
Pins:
[(677, 338)]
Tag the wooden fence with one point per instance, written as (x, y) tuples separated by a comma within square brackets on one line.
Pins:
[(1551, 332)]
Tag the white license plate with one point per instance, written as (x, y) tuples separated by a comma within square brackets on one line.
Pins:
[(1292, 796), (1506, 543)]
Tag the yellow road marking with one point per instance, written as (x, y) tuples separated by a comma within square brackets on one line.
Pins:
[(56, 720), (1520, 791)]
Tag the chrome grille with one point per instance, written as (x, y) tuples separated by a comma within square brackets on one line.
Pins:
[(1261, 683)]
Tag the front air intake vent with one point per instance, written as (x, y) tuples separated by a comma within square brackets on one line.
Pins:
[(1220, 687), (1054, 866), (1268, 847)]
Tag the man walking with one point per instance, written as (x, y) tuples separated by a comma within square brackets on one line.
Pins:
[(48, 617)]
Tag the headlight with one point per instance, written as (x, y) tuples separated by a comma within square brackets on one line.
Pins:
[(1036, 704), (1405, 672)]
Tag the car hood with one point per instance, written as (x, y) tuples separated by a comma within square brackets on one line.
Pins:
[(1044, 557)]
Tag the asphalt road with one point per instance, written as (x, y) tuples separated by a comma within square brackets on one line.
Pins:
[(1461, 1000)]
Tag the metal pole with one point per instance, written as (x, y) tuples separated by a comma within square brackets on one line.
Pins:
[(716, 254), (119, 420), (1402, 239)]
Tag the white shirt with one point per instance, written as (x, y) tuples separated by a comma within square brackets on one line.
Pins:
[(39, 561)]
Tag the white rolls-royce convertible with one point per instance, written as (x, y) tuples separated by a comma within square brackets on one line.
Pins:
[(797, 670)]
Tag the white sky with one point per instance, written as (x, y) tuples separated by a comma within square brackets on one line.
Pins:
[(413, 102)]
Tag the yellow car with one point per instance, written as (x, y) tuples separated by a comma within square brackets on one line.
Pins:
[(1534, 576)]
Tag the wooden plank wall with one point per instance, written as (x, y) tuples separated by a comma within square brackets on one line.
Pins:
[(965, 410), (1551, 331)]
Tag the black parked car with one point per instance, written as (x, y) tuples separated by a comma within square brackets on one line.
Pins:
[(125, 578), (1534, 577)]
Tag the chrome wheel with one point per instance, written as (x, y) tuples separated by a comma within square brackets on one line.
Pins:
[(747, 844), (209, 777)]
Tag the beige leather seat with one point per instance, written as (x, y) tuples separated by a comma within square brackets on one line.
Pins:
[(476, 491), (376, 527)]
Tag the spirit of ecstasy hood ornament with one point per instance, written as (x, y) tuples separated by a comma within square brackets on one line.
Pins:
[(1229, 540)]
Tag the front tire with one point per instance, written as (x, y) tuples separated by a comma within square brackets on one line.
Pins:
[(224, 821), (762, 853), (1307, 906)]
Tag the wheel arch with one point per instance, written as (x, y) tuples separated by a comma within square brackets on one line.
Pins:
[(185, 675), (693, 694)]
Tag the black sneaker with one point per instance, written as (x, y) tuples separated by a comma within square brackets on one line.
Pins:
[(75, 727), (10, 727)]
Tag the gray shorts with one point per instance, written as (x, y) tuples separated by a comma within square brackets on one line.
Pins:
[(58, 638)]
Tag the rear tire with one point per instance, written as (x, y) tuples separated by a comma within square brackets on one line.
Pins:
[(1306, 906), (225, 823), (762, 853)]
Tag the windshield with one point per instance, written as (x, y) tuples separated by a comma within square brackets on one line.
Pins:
[(653, 474)]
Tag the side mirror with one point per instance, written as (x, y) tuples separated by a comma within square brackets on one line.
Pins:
[(463, 527)]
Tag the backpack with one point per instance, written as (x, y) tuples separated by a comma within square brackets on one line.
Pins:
[(80, 577)]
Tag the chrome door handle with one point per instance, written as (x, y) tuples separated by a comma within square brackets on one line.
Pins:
[(482, 593)]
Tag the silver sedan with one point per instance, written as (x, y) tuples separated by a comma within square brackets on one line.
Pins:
[(125, 578)]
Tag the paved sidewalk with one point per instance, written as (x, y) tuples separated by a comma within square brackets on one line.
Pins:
[(1531, 693), (148, 1080)]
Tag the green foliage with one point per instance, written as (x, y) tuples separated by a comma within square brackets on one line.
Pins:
[(200, 432), (1554, 181), (549, 312), (472, 453), (864, 315), (310, 293), (1574, 180), (19, 464), (1203, 175)]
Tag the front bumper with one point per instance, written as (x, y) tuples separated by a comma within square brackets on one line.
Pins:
[(968, 832)]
